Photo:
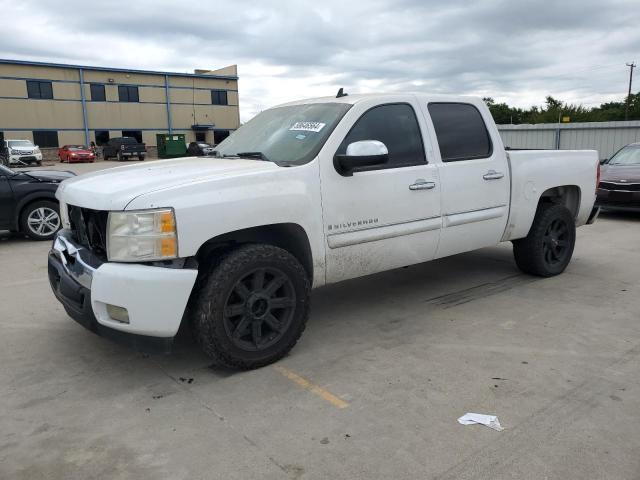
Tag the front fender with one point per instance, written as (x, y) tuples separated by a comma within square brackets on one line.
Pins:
[(208, 209)]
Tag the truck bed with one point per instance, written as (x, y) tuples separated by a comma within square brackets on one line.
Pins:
[(574, 169)]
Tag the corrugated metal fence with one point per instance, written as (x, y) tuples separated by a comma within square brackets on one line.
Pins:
[(605, 137)]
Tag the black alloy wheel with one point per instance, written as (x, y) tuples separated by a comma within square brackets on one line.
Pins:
[(555, 245), (259, 309)]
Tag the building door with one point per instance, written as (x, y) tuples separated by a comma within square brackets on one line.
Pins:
[(137, 134)]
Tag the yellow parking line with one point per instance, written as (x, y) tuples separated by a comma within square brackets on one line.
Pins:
[(307, 385)]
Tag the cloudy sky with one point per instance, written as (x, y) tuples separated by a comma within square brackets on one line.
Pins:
[(513, 50)]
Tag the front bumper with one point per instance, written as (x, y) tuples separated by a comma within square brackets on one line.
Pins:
[(25, 159), (155, 297), (618, 199)]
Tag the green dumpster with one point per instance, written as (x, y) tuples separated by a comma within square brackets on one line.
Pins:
[(171, 145)]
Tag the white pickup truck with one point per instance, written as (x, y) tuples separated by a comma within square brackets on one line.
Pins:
[(305, 194)]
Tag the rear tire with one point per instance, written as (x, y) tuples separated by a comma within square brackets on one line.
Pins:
[(251, 306), (547, 249), (140, 158)]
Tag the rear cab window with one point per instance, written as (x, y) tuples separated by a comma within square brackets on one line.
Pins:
[(461, 131)]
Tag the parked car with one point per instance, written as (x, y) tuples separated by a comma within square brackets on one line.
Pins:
[(199, 149), (28, 203), (124, 147), (306, 194), (76, 154), (20, 152), (619, 187)]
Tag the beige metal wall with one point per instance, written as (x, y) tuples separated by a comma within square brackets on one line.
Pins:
[(190, 103)]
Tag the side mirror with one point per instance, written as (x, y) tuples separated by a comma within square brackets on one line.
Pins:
[(604, 161), (359, 155)]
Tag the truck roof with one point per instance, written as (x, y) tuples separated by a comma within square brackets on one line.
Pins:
[(360, 97)]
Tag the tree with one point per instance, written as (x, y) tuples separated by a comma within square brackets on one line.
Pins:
[(554, 109)]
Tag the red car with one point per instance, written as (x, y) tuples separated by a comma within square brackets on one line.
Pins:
[(76, 153)]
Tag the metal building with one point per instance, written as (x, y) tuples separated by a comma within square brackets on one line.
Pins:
[(605, 137), (57, 104)]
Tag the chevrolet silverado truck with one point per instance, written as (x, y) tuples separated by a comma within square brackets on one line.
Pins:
[(306, 194)]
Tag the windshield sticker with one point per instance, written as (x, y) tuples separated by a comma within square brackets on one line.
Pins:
[(308, 126)]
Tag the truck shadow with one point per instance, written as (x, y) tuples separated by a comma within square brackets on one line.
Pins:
[(382, 303)]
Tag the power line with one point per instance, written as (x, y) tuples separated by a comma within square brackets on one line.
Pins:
[(631, 66)]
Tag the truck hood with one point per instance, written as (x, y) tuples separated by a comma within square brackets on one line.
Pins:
[(24, 148), (115, 188), (49, 175)]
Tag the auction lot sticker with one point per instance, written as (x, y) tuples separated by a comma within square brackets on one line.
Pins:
[(308, 126)]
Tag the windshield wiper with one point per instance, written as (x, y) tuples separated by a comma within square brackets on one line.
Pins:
[(259, 155)]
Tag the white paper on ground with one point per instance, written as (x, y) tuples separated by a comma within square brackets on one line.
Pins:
[(490, 421)]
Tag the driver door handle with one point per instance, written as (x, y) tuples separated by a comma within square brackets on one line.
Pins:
[(493, 175), (422, 185)]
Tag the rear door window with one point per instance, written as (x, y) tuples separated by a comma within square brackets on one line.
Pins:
[(461, 131)]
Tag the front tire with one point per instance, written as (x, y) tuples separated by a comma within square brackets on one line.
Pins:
[(547, 249), (40, 220), (251, 306)]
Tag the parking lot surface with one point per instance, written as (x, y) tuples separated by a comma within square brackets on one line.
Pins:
[(373, 389)]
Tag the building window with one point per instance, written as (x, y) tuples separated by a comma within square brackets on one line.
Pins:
[(201, 136), (219, 135), (219, 97), (127, 93), (45, 138), (102, 137), (137, 134), (97, 93), (39, 89)]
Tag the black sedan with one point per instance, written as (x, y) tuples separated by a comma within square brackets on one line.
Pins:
[(28, 203), (619, 187), (200, 149)]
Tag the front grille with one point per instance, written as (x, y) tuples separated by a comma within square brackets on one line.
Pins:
[(89, 229), (629, 187), (25, 152)]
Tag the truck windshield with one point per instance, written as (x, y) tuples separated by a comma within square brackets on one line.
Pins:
[(293, 134), (627, 156)]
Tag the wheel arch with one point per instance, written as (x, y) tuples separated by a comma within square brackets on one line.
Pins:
[(567, 195), (288, 236)]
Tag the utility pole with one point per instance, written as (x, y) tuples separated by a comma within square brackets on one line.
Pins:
[(631, 66)]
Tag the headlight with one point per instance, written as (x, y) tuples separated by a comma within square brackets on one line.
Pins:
[(142, 236), (64, 215)]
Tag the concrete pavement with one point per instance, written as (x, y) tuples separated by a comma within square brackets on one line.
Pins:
[(403, 354)]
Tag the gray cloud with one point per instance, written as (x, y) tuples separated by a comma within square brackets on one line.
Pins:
[(516, 51)]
